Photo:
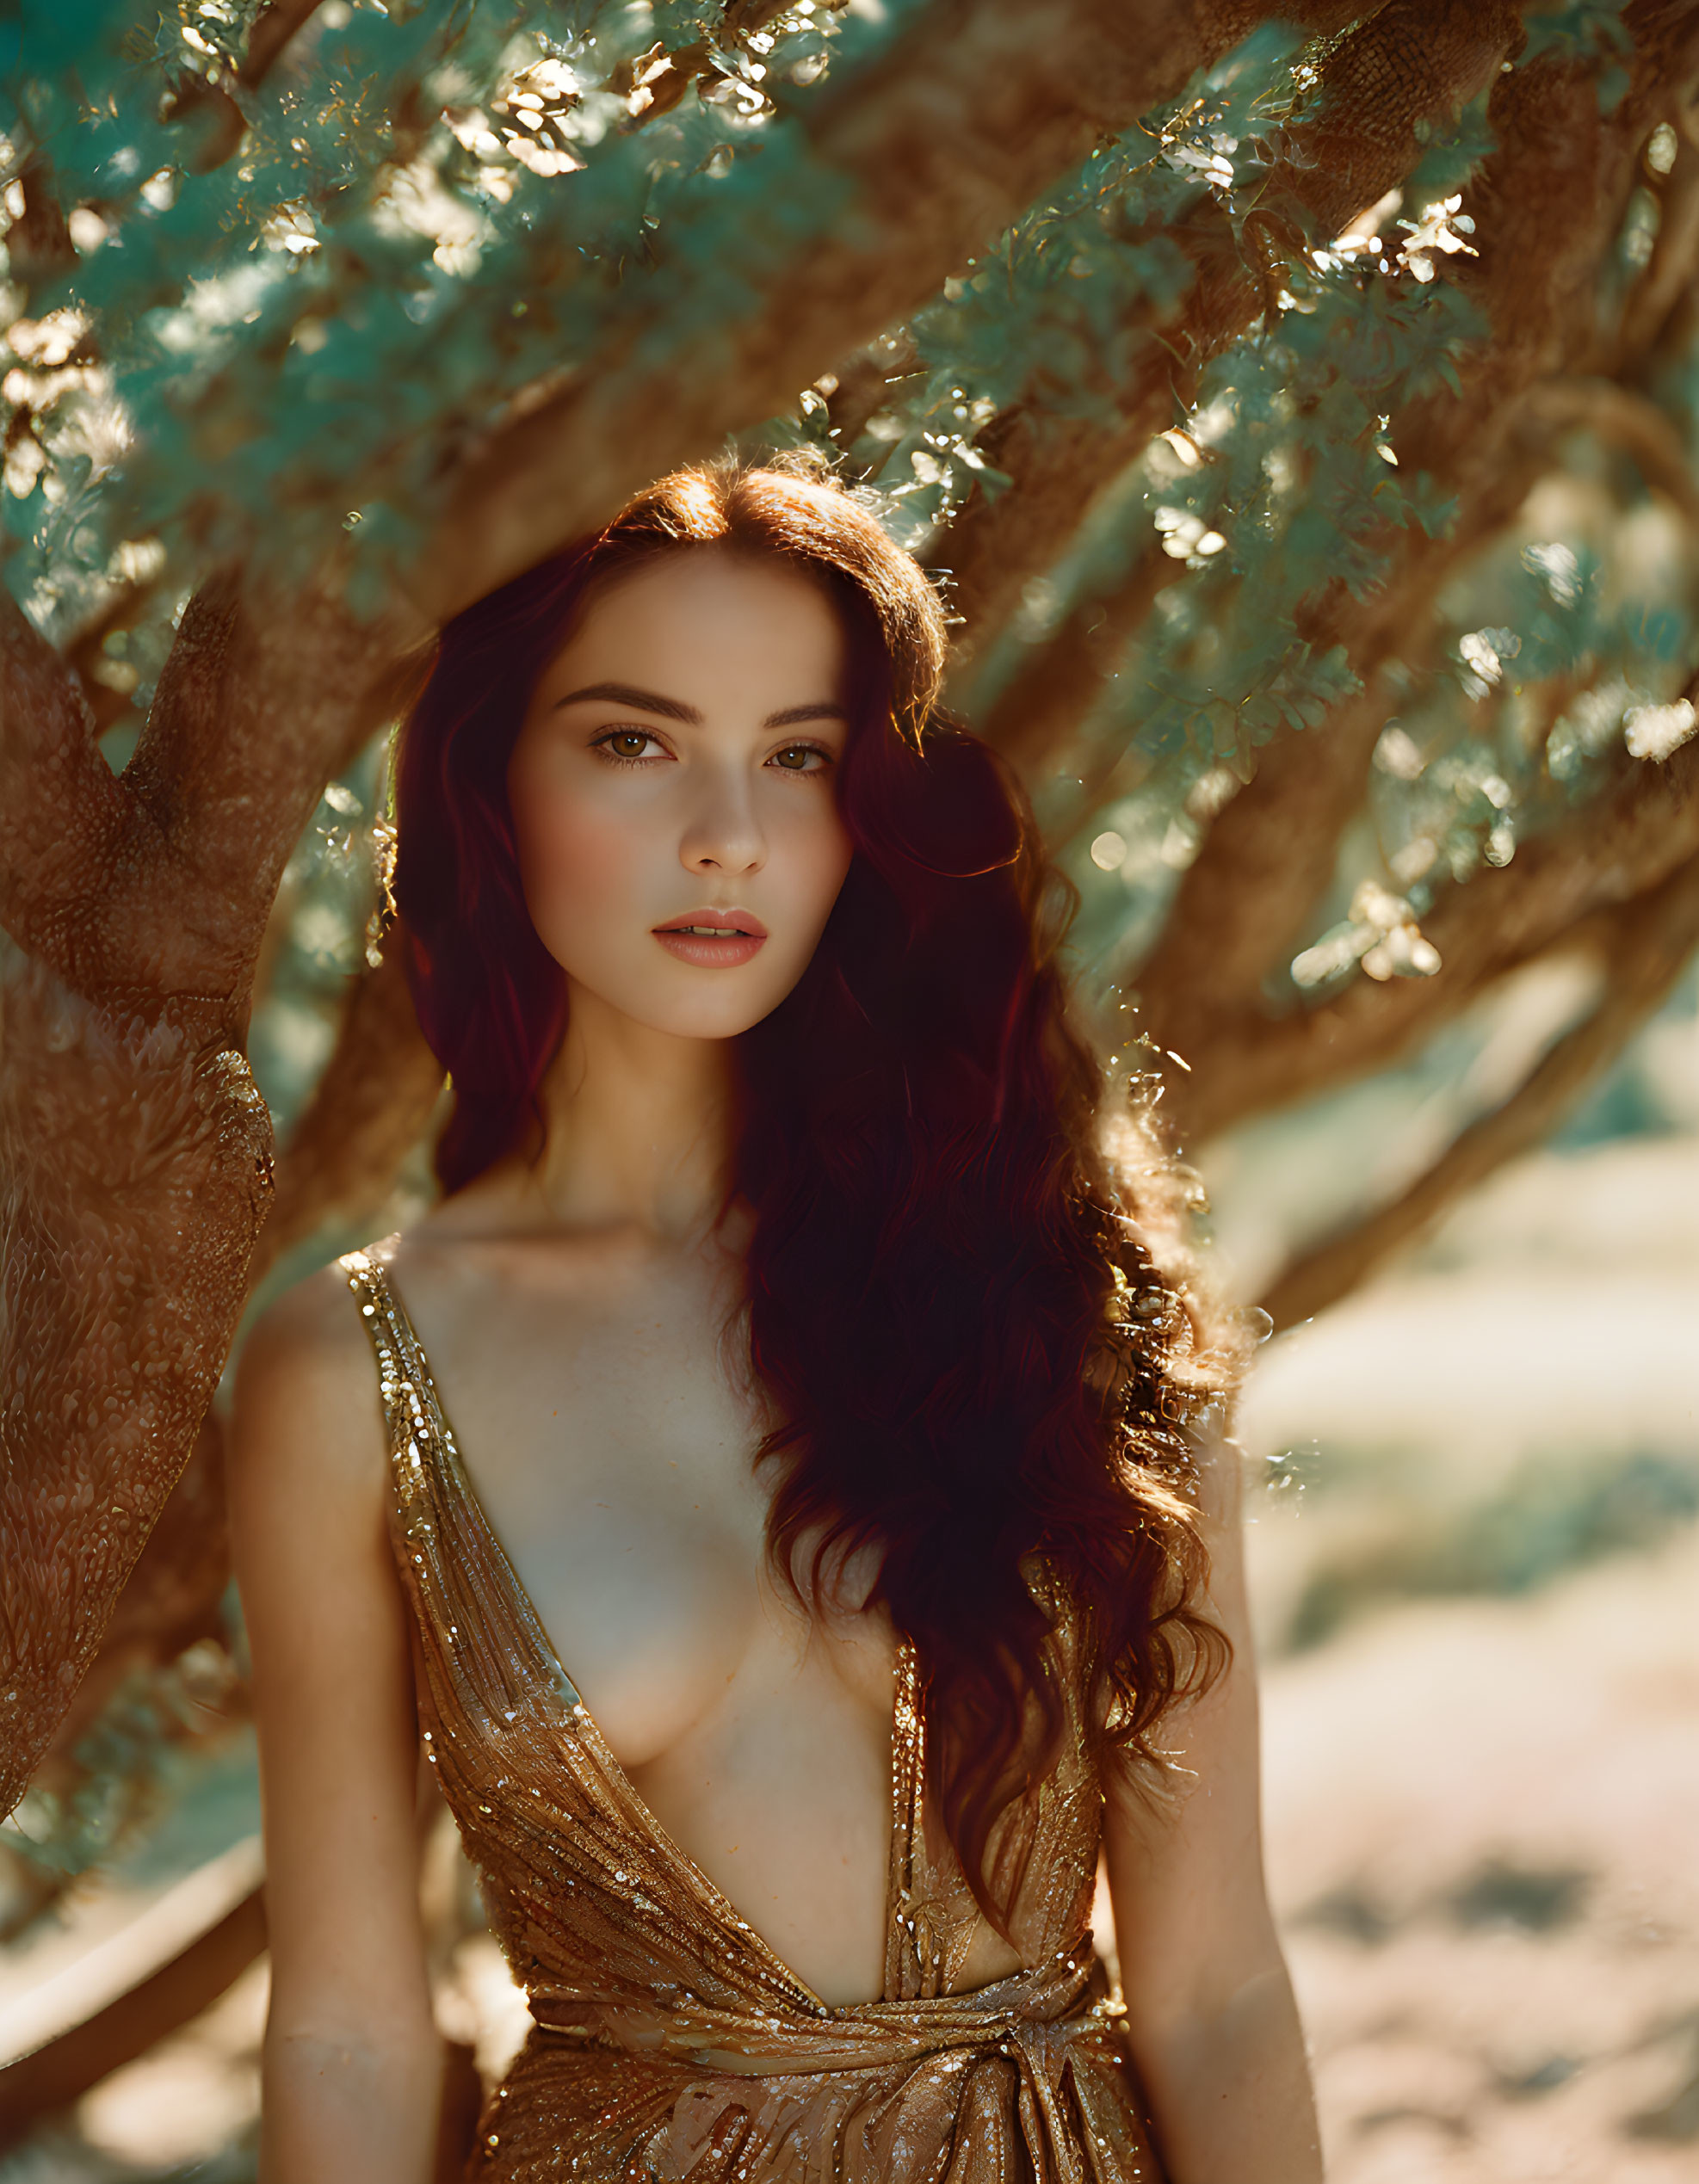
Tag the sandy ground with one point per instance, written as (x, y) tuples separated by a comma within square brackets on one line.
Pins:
[(1480, 1840), (1481, 1811)]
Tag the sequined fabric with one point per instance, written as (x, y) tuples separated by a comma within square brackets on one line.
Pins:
[(669, 2041)]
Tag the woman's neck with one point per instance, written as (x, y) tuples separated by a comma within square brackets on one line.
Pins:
[(637, 1128)]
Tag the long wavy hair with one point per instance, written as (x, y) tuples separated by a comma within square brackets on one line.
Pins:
[(980, 1370)]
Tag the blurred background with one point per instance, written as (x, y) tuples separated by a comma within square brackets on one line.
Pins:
[(1305, 456), (1475, 1561)]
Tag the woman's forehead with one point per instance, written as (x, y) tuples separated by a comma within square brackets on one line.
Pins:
[(704, 613)]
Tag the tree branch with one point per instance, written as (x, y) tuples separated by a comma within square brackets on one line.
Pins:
[(1623, 840), (1271, 854), (1411, 61), (1654, 940), (276, 23), (939, 142), (1623, 419), (1058, 682), (134, 1162), (1490, 443), (134, 1150), (1667, 280), (53, 782), (265, 697), (164, 1999)]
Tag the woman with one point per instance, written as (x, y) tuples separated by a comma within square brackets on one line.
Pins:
[(816, 1402)]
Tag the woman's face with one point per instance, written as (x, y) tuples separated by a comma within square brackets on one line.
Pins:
[(679, 842)]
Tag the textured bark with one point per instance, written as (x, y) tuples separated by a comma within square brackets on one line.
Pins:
[(134, 1150), (174, 1595), (370, 1109), (1650, 944)]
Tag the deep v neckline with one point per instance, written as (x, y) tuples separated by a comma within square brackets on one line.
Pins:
[(447, 1452)]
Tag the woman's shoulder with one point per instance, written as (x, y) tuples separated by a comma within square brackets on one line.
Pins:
[(315, 1323), (306, 1380)]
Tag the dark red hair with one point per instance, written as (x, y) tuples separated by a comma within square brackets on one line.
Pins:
[(980, 1372)]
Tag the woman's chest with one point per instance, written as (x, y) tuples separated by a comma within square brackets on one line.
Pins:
[(616, 1458)]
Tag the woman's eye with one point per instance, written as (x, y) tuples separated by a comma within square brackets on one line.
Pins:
[(800, 758), (626, 743)]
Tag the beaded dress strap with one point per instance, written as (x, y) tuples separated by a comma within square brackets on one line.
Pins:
[(481, 1616)]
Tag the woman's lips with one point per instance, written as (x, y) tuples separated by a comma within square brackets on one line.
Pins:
[(719, 939)]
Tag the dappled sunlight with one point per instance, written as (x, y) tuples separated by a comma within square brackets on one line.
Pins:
[(1297, 423)]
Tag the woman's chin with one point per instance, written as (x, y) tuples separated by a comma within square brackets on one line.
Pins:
[(704, 1017)]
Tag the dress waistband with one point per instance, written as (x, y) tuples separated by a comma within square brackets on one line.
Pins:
[(1008, 2051), (1038, 2006)]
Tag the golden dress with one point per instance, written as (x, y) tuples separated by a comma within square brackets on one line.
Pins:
[(670, 2042)]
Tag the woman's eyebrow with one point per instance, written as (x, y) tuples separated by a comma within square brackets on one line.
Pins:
[(792, 714), (624, 694)]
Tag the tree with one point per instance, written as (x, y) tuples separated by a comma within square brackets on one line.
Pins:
[(1297, 406)]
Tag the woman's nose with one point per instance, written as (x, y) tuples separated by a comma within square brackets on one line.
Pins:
[(723, 834)]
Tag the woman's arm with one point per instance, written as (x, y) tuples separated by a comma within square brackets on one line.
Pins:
[(352, 2062), (1214, 2029)]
